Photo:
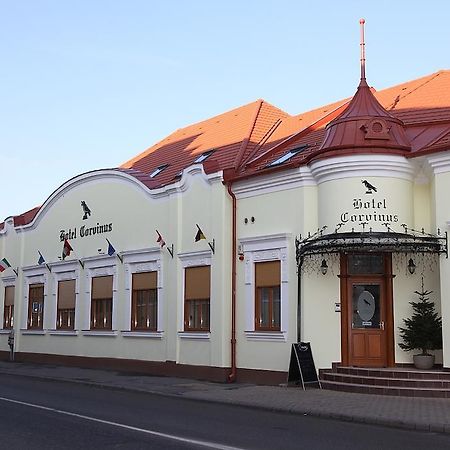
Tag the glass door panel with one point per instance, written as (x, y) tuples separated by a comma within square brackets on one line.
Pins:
[(366, 306)]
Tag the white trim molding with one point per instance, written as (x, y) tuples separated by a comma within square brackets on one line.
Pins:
[(262, 249), (143, 334), (366, 165), (196, 335), (121, 176), (274, 182), (275, 336), (8, 225), (137, 261), (440, 163)]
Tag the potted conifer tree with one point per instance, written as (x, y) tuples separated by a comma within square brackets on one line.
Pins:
[(423, 331)]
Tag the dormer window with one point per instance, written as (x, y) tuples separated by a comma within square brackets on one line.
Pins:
[(203, 156), (287, 156), (158, 170)]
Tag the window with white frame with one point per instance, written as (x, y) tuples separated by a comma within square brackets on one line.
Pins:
[(197, 292), (64, 310), (196, 300), (35, 306), (144, 301), (267, 296), (266, 286), (100, 301), (35, 289), (144, 287), (8, 308)]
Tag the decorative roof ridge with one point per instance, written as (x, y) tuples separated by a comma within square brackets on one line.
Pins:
[(438, 138), (262, 141), (311, 127), (246, 140)]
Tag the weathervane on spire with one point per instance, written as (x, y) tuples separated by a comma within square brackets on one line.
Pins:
[(363, 52)]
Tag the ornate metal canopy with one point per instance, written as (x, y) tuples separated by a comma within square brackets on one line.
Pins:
[(411, 241)]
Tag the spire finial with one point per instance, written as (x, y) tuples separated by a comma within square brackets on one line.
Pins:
[(363, 52)]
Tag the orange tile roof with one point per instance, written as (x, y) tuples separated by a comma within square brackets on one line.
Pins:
[(247, 138), (26, 217), (230, 135)]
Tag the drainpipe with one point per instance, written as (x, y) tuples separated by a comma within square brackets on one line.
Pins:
[(232, 374), (299, 301)]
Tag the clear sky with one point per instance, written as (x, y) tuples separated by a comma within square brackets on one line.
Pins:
[(88, 84)]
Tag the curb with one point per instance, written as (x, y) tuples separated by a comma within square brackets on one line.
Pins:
[(364, 420)]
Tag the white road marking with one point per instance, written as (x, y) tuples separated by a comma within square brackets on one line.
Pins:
[(127, 427)]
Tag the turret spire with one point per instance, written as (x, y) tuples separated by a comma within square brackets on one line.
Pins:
[(363, 51), (365, 125)]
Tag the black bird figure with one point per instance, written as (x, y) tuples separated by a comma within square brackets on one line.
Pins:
[(369, 187), (86, 210)]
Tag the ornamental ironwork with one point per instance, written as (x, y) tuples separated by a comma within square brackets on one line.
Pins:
[(389, 241)]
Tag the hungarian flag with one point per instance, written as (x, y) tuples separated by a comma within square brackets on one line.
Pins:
[(66, 249), (111, 249), (199, 236), (160, 240), (4, 264)]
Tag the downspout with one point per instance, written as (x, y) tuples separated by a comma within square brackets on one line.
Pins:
[(299, 300), (232, 374)]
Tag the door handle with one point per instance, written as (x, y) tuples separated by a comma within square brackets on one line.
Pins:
[(382, 325)]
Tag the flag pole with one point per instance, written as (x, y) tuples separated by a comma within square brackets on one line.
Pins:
[(212, 245)]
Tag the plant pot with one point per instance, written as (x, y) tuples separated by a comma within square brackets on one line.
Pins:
[(423, 362)]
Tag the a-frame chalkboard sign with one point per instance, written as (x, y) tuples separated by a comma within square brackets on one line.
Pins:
[(302, 369)]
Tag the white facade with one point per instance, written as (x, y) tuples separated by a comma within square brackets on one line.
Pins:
[(272, 211)]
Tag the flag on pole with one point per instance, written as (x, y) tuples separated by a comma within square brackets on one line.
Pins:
[(41, 259), (66, 249), (111, 249), (199, 236), (160, 240), (4, 264)]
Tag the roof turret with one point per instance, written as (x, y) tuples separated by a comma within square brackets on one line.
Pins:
[(365, 125)]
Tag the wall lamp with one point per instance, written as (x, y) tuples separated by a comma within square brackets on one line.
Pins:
[(411, 266), (324, 267)]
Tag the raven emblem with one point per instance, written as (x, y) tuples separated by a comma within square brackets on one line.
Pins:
[(370, 188), (86, 210)]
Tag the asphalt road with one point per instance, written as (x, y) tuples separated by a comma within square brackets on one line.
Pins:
[(37, 414)]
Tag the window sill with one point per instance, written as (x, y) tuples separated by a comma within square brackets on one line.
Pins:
[(275, 336), (143, 334), (108, 333), (6, 330), (194, 335), (63, 332), (33, 332)]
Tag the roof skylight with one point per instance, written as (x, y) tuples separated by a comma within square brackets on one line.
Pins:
[(287, 156), (158, 170), (204, 156)]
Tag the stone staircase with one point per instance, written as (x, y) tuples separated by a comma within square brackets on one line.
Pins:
[(400, 381)]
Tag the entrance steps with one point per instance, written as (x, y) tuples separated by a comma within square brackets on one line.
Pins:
[(400, 381)]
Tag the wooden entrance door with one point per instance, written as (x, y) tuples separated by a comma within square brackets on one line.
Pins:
[(367, 323)]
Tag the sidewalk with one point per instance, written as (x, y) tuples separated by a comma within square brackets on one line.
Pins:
[(411, 413)]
